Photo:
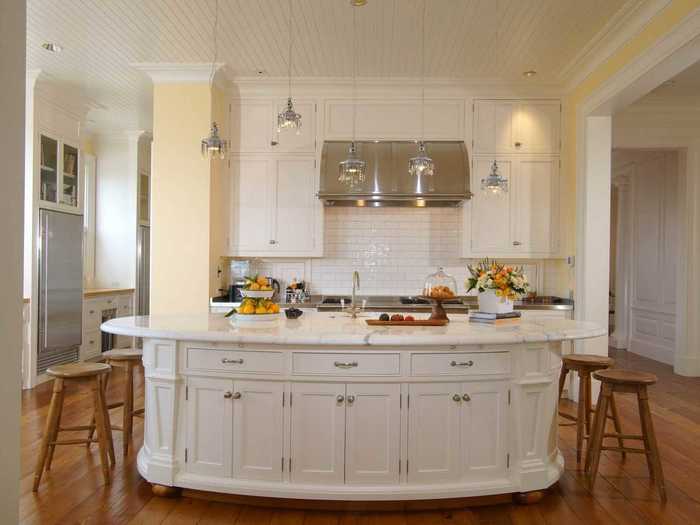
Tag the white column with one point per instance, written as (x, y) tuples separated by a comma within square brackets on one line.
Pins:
[(623, 255)]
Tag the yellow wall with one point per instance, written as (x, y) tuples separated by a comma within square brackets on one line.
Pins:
[(180, 199)]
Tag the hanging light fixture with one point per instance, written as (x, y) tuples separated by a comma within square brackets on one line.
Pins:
[(422, 164), (213, 146), (494, 182), (352, 170), (288, 118)]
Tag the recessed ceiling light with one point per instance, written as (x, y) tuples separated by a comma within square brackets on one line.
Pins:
[(529, 73), (53, 47), (358, 3)]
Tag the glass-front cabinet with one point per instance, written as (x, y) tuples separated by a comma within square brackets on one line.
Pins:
[(59, 174)]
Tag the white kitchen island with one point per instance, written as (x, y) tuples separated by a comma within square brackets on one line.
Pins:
[(328, 408)]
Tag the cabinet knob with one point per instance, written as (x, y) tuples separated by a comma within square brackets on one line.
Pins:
[(340, 398), (517, 243), (228, 395), (272, 241), (351, 400), (456, 398), (236, 395), (518, 144), (466, 397), (466, 364), (273, 143)]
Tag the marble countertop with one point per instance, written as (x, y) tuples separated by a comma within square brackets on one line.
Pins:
[(326, 328)]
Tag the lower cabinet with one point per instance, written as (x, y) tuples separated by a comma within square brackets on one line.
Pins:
[(345, 433), (458, 431)]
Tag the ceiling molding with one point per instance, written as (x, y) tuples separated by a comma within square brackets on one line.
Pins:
[(621, 28), (178, 73)]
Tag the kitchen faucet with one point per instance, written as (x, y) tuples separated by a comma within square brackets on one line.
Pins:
[(355, 286)]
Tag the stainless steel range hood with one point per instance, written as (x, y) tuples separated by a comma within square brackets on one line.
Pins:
[(388, 182)]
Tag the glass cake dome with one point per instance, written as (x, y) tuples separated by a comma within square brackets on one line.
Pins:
[(440, 285)]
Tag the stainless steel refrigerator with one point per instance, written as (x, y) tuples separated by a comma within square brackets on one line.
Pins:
[(60, 288)]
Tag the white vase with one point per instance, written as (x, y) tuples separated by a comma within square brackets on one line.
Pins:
[(490, 303)]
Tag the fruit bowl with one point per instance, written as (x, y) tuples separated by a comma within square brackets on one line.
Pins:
[(258, 294), (254, 319)]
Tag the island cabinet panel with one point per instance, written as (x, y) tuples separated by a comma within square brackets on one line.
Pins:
[(433, 427), (209, 426), (373, 424), (317, 433), (258, 430)]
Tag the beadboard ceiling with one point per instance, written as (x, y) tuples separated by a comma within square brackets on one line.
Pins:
[(481, 40)]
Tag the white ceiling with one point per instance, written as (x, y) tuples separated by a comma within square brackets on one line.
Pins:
[(466, 39)]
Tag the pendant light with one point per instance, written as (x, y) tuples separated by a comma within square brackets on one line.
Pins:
[(494, 182), (422, 164), (213, 146), (288, 118), (352, 170)]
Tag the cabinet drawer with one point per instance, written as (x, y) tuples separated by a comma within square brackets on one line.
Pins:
[(91, 344), (307, 363), (235, 360), (462, 363), (92, 315)]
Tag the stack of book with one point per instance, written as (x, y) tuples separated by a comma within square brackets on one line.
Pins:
[(494, 319)]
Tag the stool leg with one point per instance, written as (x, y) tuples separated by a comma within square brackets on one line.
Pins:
[(91, 432), (110, 441), (650, 445), (589, 403), (56, 430), (128, 413), (581, 416), (562, 379), (51, 421), (616, 424), (102, 427), (595, 441)]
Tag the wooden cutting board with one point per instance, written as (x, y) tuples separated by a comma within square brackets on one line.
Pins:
[(420, 322)]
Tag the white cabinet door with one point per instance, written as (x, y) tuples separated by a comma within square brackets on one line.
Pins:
[(251, 126), (537, 127), (318, 433), (535, 188), (483, 429), (252, 206), (209, 426), (372, 448), (491, 212), (296, 206), (289, 141), (493, 126), (433, 427), (258, 430)]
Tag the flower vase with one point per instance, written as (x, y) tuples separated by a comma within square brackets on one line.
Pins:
[(490, 303)]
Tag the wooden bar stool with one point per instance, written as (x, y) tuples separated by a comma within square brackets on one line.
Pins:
[(128, 359), (634, 383), (584, 365), (93, 374)]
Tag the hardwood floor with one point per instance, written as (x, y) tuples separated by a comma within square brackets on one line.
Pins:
[(74, 493)]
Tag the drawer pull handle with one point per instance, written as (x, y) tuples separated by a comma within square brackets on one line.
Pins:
[(466, 397), (225, 361), (517, 243), (92, 312), (351, 400), (340, 398), (236, 395), (462, 363), (92, 342), (456, 398), (340, 364)]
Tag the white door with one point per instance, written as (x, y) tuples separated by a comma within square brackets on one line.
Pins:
[(491, 212), (289, 141), (372, 447), (535, 192), (252, 205), (251, 126), (297, 208), (483, 429), (209, 424), (493, 126), (536, 127), (258, 430), (318, 433), (433, 429)]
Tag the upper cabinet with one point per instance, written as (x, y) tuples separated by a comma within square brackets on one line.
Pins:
[(254, 127), (60, 180), (507, 126)]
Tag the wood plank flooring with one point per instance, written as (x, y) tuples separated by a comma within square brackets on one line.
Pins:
[(74, 493)]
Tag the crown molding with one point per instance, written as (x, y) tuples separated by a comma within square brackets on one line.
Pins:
[(630, 19), (178, 73)]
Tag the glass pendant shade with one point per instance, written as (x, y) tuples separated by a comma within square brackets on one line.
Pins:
[(352, 170), (214, 146), (421, 164), (289, 119), (494, 182)]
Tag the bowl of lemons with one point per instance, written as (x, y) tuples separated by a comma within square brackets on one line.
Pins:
[(257, 287), (255, 310)]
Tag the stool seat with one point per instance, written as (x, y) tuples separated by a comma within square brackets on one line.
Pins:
[(78, 370), (588, 361), (123, 354), (625, 377)]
